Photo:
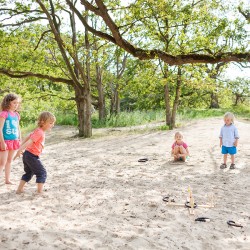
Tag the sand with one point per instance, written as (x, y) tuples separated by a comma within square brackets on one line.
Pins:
[(98, 196)]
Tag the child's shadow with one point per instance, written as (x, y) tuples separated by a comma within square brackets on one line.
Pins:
[(172, 162), (178, 163)]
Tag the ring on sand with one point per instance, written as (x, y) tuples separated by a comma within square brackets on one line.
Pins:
[(166, 198), (203, 219), (233, 223), (143, 160), (187, 204)]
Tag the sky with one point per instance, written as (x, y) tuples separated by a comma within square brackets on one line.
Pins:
[(234, 71)]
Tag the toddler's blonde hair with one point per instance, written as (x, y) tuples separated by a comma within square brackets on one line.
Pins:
[(44, 117), (178, 133), (229, 115)]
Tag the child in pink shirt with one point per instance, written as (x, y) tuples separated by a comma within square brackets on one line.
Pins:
[(179, 148), (33, 146), (10, 134)]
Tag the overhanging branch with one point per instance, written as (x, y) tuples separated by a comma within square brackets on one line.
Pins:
[(142, 54), (26, 74)]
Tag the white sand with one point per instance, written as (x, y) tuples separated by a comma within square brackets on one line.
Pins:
[(98, 196)]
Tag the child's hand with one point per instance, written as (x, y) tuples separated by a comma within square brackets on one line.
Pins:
[(236, 144), (18, 154), (3, 146)]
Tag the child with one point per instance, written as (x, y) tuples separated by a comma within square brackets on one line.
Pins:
[(10, 134), (228, 140), (33, 145), (179, 148)]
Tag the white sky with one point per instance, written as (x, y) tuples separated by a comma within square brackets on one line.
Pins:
[(235, 71)]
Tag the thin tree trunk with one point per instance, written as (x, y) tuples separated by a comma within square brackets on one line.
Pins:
[(117, 100), (87, 106), (101, 99), (167, 105), (177, 97), (214, 103)]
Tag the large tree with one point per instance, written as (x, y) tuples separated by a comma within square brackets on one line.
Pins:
[(176, 32)]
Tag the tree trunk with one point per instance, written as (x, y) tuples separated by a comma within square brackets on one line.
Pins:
[(214, 104), (167, 106), (101, 99), (83, 102), (177, 97), (117, 100)]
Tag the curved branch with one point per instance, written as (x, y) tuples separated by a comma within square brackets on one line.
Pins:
[(246, 14), (60, 44), (23, 22), (43, 34), (26, 74), (143, 54)]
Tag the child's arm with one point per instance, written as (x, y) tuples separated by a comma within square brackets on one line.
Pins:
[(20, 134), (2, 143), (220, 141), (236, 136), (24, 145), (187, 154), (172, 152), (26, 139)]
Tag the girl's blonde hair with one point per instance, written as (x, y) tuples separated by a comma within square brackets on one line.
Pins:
[(229, 115), (178, 133), (5, 104), (44, 117)]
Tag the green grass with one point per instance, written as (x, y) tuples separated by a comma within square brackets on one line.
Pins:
[(126, 119)]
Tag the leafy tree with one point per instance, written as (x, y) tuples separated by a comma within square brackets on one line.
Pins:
[(240, 88)]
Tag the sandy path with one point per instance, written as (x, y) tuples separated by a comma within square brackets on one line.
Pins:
[(98, 196)]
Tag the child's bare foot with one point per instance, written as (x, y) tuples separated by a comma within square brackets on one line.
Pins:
[(9, 182), (19, 191)]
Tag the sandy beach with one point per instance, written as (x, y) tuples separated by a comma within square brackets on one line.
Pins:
[(98, 196)]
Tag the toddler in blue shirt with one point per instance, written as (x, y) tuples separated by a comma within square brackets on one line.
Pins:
[(228, 140)]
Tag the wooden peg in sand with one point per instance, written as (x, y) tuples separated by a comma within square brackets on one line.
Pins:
[(190, 203)]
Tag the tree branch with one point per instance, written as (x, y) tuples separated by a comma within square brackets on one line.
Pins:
[(144, 54), (24, 74), (43, 34), (23, 22), (246, 14), (60, 44)]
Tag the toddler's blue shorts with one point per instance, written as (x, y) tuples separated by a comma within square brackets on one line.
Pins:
[(228, 150)]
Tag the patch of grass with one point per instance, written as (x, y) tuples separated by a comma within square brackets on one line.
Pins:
[(163, 127), (126, 119), (69, 119)]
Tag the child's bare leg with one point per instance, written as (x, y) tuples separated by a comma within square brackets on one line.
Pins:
[(8, 166), (225, 158), (20, 187), (3, 159), (40, 188), (183, 153), (176, 153), (232, 159)]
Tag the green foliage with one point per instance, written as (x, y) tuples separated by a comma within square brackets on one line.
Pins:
[(241, 111), (186, 114), (125, 119), (66, 119)]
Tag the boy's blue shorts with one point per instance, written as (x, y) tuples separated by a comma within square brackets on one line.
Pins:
[(228, 150)]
